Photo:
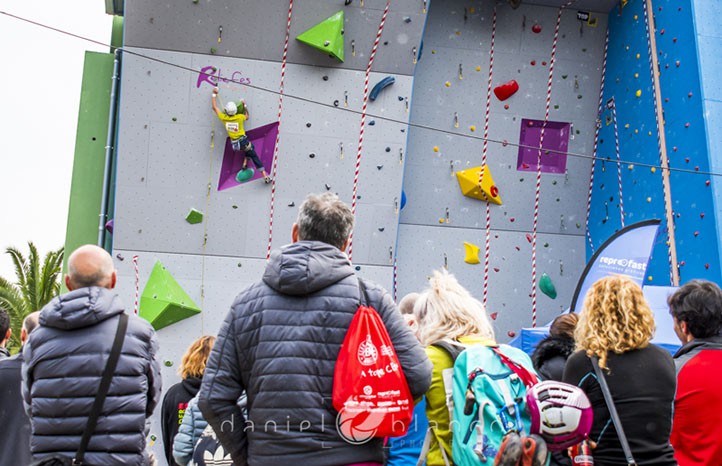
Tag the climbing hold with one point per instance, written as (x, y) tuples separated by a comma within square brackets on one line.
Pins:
[(478, 68), (194, 216), (335, 103), (638, 93), (436, 148), (403, 200), (291, 204), (547, 287), (326, 36), (311, 155), (696, 234), (470, 187), (308, 125), (407, 19), (245, 174), (167, 363), (447, 84), (536, 29), (387, 81), (494, 315), (164, 302), (532, 63), (706, 183), (506, 106), (328, 187), (472, 253), (372, 122), (511, 333), (213, 50), (109, 226), (528, 237), (472, 128), (325, 78), (506, 90), (676, 63), (653, 169)]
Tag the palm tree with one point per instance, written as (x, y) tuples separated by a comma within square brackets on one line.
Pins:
[(36, 284)]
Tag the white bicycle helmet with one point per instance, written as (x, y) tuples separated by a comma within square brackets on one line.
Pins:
[(560, 413)]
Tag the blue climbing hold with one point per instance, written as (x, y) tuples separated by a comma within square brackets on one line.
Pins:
[(403, 199), (387, 81)]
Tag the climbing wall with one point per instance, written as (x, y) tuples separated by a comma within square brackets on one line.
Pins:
[(630, 133), (449, 114), (186, 235)]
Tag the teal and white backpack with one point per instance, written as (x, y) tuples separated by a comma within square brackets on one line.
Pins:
[(486, 397)]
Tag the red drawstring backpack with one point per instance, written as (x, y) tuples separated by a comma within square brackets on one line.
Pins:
[(370, 391)]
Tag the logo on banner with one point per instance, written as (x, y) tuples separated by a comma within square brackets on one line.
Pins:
[(367, 352)]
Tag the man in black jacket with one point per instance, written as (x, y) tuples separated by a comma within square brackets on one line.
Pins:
[(15, 441), (280, 342)]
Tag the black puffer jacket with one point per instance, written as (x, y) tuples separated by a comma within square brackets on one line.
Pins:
[(280, 342), (63, 363), (551, 355)]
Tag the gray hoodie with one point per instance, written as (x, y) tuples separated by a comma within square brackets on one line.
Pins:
[(63, 363)]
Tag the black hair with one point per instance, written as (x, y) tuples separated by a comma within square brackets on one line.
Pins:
[(4, 322), (699, 305)]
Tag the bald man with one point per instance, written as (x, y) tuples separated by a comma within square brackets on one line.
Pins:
[(63, 364)]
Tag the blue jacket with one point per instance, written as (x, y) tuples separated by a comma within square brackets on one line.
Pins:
[(63, 363), (280, 342), (189, 432)]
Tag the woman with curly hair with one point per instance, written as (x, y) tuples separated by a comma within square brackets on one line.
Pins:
[(616, 326), (176, 399)]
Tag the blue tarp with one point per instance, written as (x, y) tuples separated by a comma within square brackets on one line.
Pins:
[(656, 297)]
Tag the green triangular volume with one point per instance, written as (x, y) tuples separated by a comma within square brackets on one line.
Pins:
[(326, 36), (163, 301)]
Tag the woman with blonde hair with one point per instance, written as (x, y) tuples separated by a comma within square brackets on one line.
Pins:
[(616, 326), (175, 402), (450, 320)]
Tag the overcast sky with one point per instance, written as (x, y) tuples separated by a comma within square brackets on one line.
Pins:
[(39, 95)]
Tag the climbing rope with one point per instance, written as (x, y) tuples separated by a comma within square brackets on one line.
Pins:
[(274, 164), (487, 244), (137, 284), (661, 145), (363, 120), (596, 140), (613, 106), (537, 190)]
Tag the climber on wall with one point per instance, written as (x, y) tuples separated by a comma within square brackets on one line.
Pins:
[(233, 122)]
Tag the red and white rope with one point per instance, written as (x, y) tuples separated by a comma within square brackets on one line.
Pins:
[(137, 284), (363, 119), (659, 141), (487, 244), (539, 164), (274, 165), (619, 161), (596, 140)]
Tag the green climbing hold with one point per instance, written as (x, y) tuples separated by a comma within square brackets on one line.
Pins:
[(163, 301), (326, 36), (194, 216), (244, 175), (547, 287)]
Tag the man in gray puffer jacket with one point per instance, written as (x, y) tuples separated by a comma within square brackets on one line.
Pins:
[(280, 342), (64, 360)]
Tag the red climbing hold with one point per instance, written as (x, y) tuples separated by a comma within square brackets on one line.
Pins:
[(536, 29), (496, 269), (517, 248), (706, 183), (661, 32), (506, 106), (674, 148), (511, 333), (681, 264), (533, 62), (528, 237), (544, 63), (494, 315), (506, 90), (701, 215), (706, 266), (512, 219), (676, 63), (686, 159), (696, 234)]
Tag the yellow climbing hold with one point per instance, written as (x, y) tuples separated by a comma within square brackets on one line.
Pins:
[(649, 278), (472, 128), (649, 199), (441, 220), (472, 253), (638, 93), (436, 148), (638, 55), (447, 84), (458, 33), (635, 17), (653, 169), (472, 10), (478, 68), (469, 183), (627, 126), (636, 75), (630, 166)]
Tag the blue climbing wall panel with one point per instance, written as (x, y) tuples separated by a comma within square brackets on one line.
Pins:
[(629, 89)]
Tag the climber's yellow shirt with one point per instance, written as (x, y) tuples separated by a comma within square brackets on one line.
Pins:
[(234, 124)]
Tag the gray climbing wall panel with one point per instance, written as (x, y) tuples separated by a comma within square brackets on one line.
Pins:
[(450, 89)]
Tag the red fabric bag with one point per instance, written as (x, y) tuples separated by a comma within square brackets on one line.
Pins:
[(370, 391)]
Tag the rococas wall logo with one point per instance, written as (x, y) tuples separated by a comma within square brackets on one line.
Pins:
[(367, 352)]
